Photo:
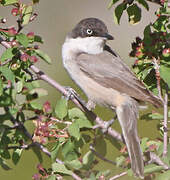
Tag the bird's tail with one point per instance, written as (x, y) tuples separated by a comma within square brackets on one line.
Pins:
[(127, 114)]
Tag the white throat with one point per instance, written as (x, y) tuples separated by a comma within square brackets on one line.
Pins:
[(90, 45)]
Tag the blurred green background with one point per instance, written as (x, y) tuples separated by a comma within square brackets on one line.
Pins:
[(55, 19)]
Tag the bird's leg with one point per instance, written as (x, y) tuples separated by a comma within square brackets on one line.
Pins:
[(71, 93), (107, 124)]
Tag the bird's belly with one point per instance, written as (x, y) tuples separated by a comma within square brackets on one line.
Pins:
[(94, 91)]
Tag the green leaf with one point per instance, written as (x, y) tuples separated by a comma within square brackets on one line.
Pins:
[(76, 164), (76, 113), (118, 12), (88, 159), (16, 155), (27, 12), (8, 2), (9, 75), (4, 165), (37, 152), (51, 177), (60, 168), (61, 108), (43, 56), (1, 87), (22, 39), (112, 2), (67, 148), (84, 123), (38, 39), (120, 160), (165, 74), (39, 91), (134, 13), (163, 176), (54, 151), (160, 23), (8, 54), (156, 116), (144, 4), (151, 168), (19, 86), (36, 105), (144, 144), (74, 130)]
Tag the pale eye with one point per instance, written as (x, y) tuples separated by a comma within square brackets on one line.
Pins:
[(89, 31)]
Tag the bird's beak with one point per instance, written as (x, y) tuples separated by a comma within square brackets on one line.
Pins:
[(108, 36)]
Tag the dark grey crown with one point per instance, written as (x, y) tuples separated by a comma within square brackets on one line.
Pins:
[(90, 27)]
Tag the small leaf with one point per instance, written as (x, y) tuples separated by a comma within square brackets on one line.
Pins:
[(43, 56), (156, 116), (76, 164), (4, 165), (1, 87), (36, 105), (61, 108), (165, 74), (54, 151), (8, 54), (22, 39), (144, 144), (134, 13), (19, 86), (152, 168), (67, 148), (39, 91), (60, 168), (9, 75), (120, 160), (38, 39), (84, 123), (88, 159), (118, 12), (163, 176), (27, 12), (8, 2), (144, 4), (76, 113), (16, 155), (51, 177), (74, 130)]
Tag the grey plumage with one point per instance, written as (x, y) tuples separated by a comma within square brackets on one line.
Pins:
[(107, 80)]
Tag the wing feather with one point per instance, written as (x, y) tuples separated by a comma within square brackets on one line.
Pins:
[(109, 70)]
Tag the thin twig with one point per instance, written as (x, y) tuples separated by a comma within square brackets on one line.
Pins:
[(165, 138), (118, 176), (100, 156), (156, 66)]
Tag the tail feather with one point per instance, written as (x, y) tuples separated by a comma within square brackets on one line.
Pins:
[(127, 114)]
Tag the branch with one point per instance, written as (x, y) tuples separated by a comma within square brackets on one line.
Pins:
[(165, 149), (118, 176)]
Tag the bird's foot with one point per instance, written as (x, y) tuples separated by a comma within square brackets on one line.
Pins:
[(71, 94), (107, 124)]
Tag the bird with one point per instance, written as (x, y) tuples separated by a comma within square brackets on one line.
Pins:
[(106, 80)]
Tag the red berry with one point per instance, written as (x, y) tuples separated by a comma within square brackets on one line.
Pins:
[(166, 52), (15, 11), (33, 59), (24, 57), (12, 31), (30, 35)]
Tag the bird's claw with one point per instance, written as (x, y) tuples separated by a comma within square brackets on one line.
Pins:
[(107, 124)]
